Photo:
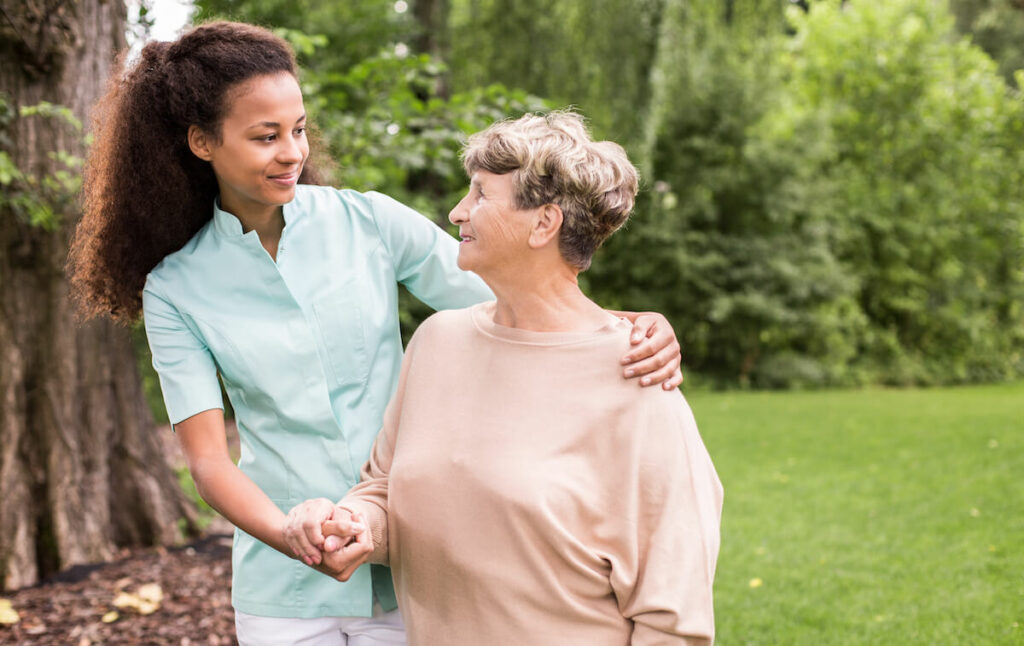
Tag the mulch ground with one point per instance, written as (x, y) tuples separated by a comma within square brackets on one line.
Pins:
[(195, 582)]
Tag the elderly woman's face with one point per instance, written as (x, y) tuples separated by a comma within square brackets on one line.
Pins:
[(494, 232)]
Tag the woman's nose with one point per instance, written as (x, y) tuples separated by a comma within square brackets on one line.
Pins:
[(457, 214), (291, 152)]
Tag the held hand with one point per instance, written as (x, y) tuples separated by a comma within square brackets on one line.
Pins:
[(302, 529), (347, 545), (655, 356)]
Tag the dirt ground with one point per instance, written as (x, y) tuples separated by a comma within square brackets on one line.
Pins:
[(195, 608), (191, 606)]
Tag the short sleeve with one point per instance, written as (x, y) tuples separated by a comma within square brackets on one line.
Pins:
[(425, 257), (188, 374)]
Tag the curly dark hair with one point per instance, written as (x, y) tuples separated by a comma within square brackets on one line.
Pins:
[(145, 194)]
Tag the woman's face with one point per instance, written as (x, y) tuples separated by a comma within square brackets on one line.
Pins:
[(263, 144), (494, 232)]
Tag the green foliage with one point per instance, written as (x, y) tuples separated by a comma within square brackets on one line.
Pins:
[(925, 166), (997, 26), (39, 199), (594, 54), (869, 516), (735, 234)]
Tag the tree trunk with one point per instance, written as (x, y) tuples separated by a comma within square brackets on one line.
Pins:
[(81, 470), (432, 16)]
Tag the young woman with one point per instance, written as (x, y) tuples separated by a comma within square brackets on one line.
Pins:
[(202, 212)]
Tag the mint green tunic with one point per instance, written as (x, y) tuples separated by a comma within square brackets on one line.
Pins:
[(309, 351)]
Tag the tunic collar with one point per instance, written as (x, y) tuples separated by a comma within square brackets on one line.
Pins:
[(230, 226)]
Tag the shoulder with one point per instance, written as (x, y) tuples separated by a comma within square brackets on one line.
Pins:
[(444, 325), (176, 267), (328, 201), (445, 335)]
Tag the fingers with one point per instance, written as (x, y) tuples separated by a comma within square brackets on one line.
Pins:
[(658, 367), (359, 551), (302, 532), (344, 554), (643, 327), (342, 528), (646, 338)]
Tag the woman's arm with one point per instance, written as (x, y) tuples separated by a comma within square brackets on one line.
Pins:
[(236, 497), (663, 564), (223, 485)]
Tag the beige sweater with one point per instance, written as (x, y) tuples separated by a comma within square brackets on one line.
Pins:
[(524, 493)]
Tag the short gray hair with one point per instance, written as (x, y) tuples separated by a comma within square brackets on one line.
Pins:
[(554, 161)]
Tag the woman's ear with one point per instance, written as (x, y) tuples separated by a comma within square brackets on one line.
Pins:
[(199, 142), (546, 224)]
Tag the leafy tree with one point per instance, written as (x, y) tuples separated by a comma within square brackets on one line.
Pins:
[(997, 26), (926, 168), (733, 240)]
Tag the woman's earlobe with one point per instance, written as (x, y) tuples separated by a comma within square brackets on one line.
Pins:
[(199, 143)]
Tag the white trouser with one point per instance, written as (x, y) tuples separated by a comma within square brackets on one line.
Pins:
[(383, 629)]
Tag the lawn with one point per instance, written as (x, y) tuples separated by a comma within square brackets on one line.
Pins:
[(870, 516)]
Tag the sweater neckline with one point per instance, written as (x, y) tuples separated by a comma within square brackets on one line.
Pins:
[(483, 318)]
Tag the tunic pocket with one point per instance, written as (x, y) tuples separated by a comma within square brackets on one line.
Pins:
[(341, 330)]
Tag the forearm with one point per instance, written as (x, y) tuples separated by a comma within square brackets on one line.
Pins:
[(236, 497)]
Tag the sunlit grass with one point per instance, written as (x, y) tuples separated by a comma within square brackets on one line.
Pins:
[(869, 517)]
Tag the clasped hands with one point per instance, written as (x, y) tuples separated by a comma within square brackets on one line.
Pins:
[(329, 538)]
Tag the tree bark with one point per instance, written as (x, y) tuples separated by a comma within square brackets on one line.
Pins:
[(81, 470)]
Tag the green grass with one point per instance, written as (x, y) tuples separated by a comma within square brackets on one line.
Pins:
[(870, 517)]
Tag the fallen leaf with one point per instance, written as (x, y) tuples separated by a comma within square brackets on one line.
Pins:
[(110, 617), (126, 600), (151, 592), (756, 582), (8, 615)]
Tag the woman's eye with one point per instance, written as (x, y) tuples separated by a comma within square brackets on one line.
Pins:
[(300, 131), (267, 138)]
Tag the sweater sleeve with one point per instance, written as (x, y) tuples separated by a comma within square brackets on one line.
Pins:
[(370, 496), (663, 573)]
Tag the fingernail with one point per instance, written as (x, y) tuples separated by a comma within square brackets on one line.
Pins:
[(637, 337), (630, 372), (645, 380)]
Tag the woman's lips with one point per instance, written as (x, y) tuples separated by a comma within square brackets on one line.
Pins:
[(286, 179)]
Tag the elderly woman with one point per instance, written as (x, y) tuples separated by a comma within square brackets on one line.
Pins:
[(521, 491)]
